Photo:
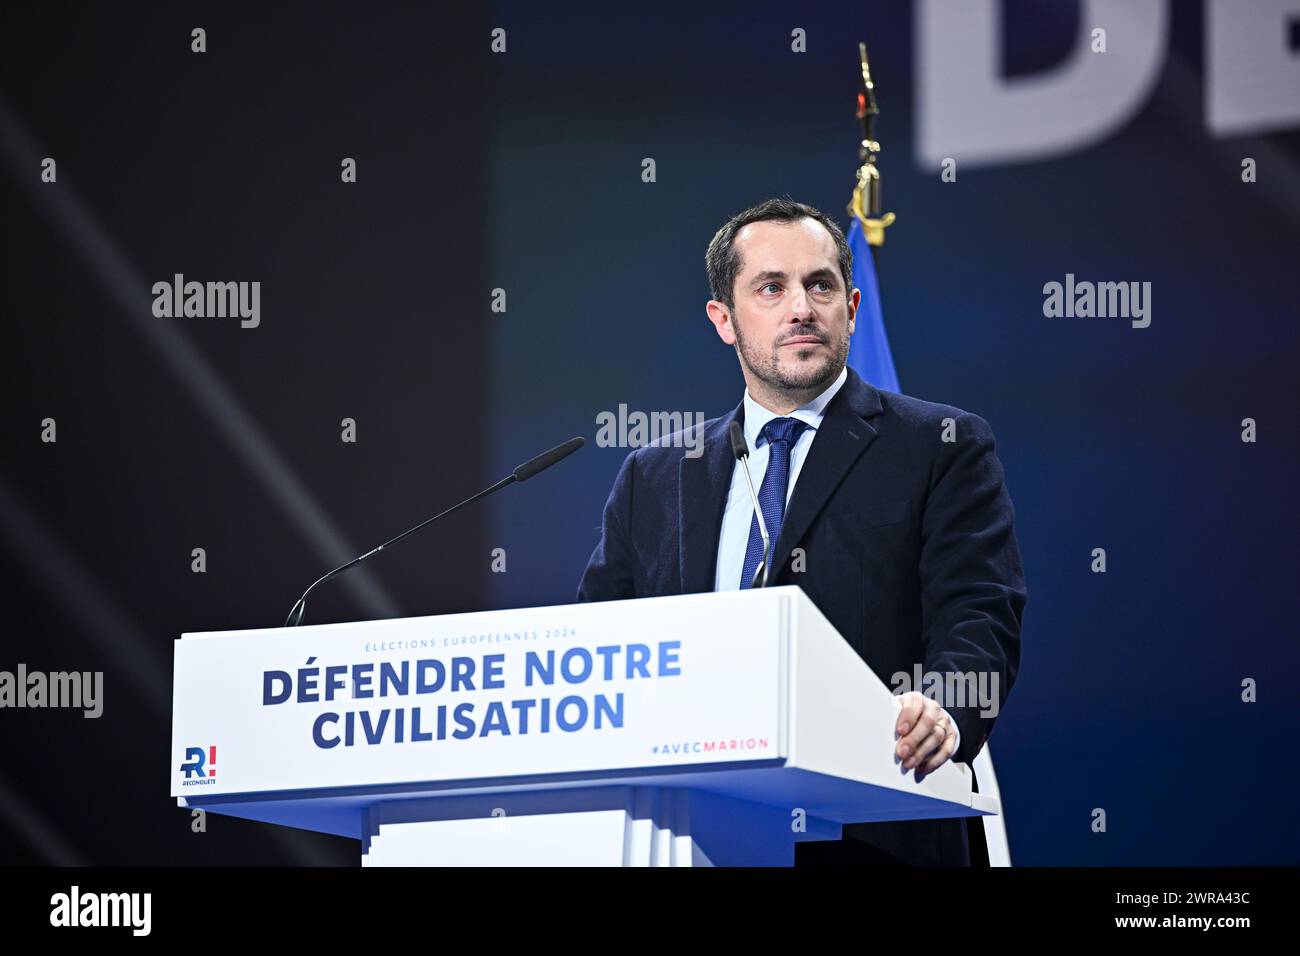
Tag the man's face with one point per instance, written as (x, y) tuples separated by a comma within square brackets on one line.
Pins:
[(793, 317)]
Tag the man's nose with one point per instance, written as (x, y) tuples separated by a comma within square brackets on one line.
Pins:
[(800, 306)]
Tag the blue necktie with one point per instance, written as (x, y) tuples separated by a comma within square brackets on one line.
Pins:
[(781, 434)]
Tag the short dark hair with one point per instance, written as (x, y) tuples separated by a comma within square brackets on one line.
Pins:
[(722, 260)]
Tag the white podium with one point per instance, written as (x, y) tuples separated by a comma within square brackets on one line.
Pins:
[(703, 729)]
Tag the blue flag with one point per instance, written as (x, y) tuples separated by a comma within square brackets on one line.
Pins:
[(869, 353)]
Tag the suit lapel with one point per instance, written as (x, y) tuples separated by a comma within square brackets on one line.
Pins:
[(842, 437), (702, 486)]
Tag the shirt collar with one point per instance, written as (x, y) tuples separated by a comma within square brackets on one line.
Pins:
[(756, 416)]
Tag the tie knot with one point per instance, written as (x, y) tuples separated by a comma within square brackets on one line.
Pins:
[(783, 429)]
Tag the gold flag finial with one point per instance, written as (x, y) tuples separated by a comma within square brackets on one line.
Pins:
[(866, 194)]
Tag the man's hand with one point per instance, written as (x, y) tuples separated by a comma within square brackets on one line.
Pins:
[(926, 738)]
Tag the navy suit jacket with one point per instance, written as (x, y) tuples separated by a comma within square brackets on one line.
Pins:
[(908, 548)]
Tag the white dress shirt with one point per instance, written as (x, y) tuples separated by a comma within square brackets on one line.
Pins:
[(738, 514)]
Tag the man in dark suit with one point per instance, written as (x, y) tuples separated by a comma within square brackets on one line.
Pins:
[(890, 512)]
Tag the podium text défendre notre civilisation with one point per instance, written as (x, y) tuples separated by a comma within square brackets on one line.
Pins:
[(313, 684)]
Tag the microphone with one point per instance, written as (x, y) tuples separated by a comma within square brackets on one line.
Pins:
[(525, 471), (546, 459), (741, 450)]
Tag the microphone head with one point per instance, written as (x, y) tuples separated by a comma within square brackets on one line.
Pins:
[(548, 458), (738, 446)]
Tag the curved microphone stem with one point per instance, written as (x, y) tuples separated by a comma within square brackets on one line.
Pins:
[(300, 608), (761, 570), (740, 449)]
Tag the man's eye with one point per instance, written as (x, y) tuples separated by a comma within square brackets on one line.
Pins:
[(770, 285), (825, 283)]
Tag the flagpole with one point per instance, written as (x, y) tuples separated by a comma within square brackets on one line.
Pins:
[(867, 193), (869, 352)]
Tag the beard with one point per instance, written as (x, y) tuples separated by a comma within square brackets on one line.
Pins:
[(796, 373)]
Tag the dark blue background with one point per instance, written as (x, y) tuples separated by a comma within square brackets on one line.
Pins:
[(1129, 697)]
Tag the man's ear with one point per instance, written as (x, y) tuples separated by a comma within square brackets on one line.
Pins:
[(720, 316), (854, 300)]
